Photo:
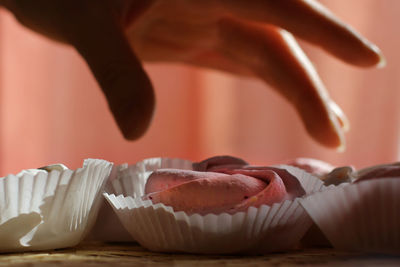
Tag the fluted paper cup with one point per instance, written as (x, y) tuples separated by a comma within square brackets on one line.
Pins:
[(125, 179), (159, 228), (49, 210), (361, 217)]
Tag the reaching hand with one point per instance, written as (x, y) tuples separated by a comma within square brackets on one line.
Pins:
[(242, 37)]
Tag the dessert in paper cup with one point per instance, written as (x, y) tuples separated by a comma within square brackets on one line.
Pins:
[(51, 207), (125, 179), (361, 216), (221, 205)]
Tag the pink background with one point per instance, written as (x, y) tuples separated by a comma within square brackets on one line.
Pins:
[(51, 109)]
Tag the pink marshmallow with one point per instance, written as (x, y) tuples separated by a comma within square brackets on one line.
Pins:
[(380, 171), (230, 191)]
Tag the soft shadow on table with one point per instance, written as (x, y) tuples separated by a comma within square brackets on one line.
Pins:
[(130, 254)]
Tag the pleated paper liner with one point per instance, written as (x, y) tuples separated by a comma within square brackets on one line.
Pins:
[(50, 210), (314, 237), (265, 229), (359, 217), (125, 179), (157, 227), (309, 182)]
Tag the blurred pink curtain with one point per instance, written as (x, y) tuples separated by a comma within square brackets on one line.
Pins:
[(51, 109)]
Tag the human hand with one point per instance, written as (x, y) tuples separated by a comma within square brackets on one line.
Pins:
[(241, 37)]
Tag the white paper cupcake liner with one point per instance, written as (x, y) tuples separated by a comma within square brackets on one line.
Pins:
[(360, 217), (310, 185), (128, 180), (50, 210), (157, 227)]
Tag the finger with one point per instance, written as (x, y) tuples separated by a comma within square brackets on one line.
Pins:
[(120, 74), (275, 56), (312, 22), (217, 61)]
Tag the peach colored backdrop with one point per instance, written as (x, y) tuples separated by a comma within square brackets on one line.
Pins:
[(51, 109)]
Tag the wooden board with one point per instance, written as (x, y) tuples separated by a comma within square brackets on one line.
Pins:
[(133, 255)]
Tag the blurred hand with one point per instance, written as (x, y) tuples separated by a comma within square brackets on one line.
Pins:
[(242, 37)]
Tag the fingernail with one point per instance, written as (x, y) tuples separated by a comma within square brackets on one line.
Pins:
[(341, 148), (339, 131), (344, 121), (382, 59)]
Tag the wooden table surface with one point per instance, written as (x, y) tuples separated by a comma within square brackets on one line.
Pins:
[(134, 255)]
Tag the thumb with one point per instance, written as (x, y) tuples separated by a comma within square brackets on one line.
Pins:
[(119, 73)]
